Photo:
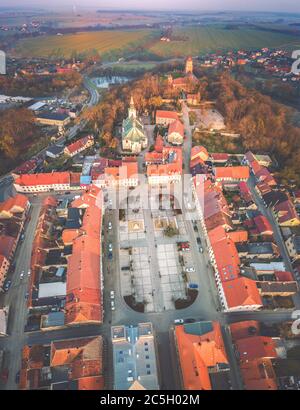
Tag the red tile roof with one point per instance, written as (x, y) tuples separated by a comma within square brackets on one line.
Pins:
[(84, 295), (263, 225), (166, 114), (159, 143), (54, 178), (7, 245), (234, 173), (176, 127), (219, 157), (286, 212), (241, 330), (259, 375), (15, 204), (199, 151), (26, 167), (226, 256), (241, 292), (256, 347), (284, 276), (245, 191), (238, 236), (79, 144)]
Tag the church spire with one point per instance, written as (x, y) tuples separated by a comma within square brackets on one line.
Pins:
[(131, 102), (132, 110)]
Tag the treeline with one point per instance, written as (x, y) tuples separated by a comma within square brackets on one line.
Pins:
[(18, 134), (37, 85), (265, 125)]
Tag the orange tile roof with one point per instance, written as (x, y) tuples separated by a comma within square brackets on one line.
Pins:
[(154, 157), (256, 347), (79, 144), (239, 172), (166, 114), (197, 353), (18, 201), (241, 292), (168, 168), (54, 178), (259, 375), (92, 196), (241, 330), (177, 127), (238, 236), (125, 171), (159, 143), (84, 294), (227, 258), (69, 235), (199, 151), (91, 383)]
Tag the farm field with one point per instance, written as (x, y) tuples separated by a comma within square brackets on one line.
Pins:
[(213, 38), (83, 42)]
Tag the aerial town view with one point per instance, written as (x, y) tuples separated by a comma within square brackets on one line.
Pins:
[(149, 197)]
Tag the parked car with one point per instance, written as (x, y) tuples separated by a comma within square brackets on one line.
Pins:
[(112, 305), (7, 285), (112, 294), (26, 295), (29, 273), (110, 255), (22, 275), (110, 247), (109, 226), (189, 320), (201, 249), (178, 321), (190, 269), (17, 378)]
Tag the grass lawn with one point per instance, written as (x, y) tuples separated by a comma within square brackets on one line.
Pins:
[(83, 42), (214, 38)]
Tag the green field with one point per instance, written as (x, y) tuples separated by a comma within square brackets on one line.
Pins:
[(81, 43), (212, 38)]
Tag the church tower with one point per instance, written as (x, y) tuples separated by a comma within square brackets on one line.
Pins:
[(189, 66), (131, 110)]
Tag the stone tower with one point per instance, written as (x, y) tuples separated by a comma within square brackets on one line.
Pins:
[(189, 66)]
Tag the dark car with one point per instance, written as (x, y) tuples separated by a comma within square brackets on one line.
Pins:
[(190, 320), (17, 378), (7, 285)]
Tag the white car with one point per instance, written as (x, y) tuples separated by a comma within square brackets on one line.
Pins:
[(190, 269), (29, 272), (178, 321), (22, 275), (112, 305), (110, 247), (109, 226), (112, 294)]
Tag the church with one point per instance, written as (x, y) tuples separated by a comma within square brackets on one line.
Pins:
[(134, 138), (187, 83)]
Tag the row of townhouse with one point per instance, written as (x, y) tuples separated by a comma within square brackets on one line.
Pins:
[(235, 291)]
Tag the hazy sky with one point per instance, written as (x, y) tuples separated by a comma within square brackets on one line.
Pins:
[(252, 5)]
